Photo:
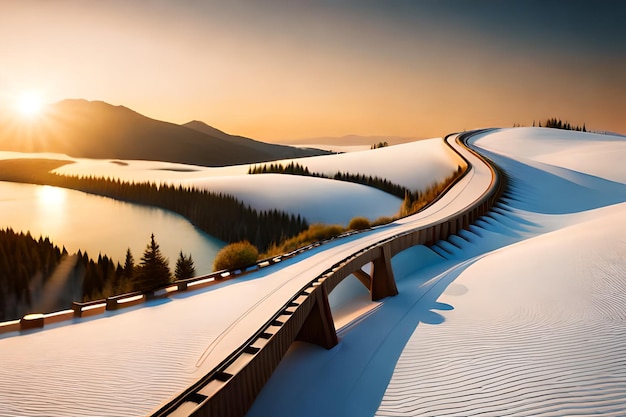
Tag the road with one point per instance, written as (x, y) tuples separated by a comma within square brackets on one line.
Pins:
[(129, 362)]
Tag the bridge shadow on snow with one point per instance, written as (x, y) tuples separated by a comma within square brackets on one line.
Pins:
[(351, 378)]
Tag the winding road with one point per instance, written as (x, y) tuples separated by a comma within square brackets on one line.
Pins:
[(209, 352)]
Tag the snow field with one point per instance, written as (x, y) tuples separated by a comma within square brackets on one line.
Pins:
[(522, 314), (414, 165), (537, 327), (82, 367)]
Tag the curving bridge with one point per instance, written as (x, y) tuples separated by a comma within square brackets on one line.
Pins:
[(212, 351), (230, 388)]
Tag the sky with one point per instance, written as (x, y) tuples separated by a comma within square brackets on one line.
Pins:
[(277, 69)]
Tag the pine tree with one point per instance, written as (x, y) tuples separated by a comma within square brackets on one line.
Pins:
[(184, 267), (153, 271), (129, 265)]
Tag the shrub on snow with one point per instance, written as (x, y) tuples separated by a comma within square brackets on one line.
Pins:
[(236, 255), (359, 223)]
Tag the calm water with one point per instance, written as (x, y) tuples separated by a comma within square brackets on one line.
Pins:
[(102, 225)]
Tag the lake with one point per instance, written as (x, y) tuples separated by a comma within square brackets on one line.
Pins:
[(97, 224)]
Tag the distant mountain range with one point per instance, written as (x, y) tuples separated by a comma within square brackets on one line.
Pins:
[(352, 140), (95, 129), (277, 151)]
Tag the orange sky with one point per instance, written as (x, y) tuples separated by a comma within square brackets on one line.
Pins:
[(286, 70)]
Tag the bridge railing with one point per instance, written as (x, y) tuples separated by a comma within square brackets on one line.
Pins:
[(117, 302), (231, 387)]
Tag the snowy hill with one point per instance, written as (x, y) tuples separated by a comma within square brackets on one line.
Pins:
[(522, 314), (414, 165)]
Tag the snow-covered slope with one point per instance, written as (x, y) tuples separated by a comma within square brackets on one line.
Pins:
[(161, 347), (537, 328), (524, 314), (307, 196), (590, 153), (414, 165)]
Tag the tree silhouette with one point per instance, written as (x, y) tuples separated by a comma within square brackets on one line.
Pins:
[(379, 145), (153, 269), (25, 264), (129, 265), (297, 169), (184, 267), (559, 124)]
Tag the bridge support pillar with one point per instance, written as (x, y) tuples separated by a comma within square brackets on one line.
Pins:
[(365, 279), (319, 327), (383, 281)]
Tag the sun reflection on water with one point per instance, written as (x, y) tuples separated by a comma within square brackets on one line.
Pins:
[(51, 208), (96, 224), (50, 196)]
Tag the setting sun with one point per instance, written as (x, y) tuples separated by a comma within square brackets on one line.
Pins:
[(29, 104)]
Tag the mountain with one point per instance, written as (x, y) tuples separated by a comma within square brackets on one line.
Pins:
[(278, 151), (95, 129)]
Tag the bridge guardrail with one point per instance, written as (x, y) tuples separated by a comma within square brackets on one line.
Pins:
[(117, 302), (231, 387)]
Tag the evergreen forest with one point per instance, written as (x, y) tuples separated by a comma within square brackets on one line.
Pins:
[(28, 265), (23, 261), (219, 215), (555, 123), (375, 182)]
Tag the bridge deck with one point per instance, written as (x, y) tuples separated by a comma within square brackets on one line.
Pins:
[(127, 363)]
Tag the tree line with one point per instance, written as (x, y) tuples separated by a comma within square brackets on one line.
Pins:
[(26, 265), (559, 124), (103, 278), (555, 123), (379, 145), (23, 260), (292, 168), (278, 168), (382, 184), (220, 215)]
